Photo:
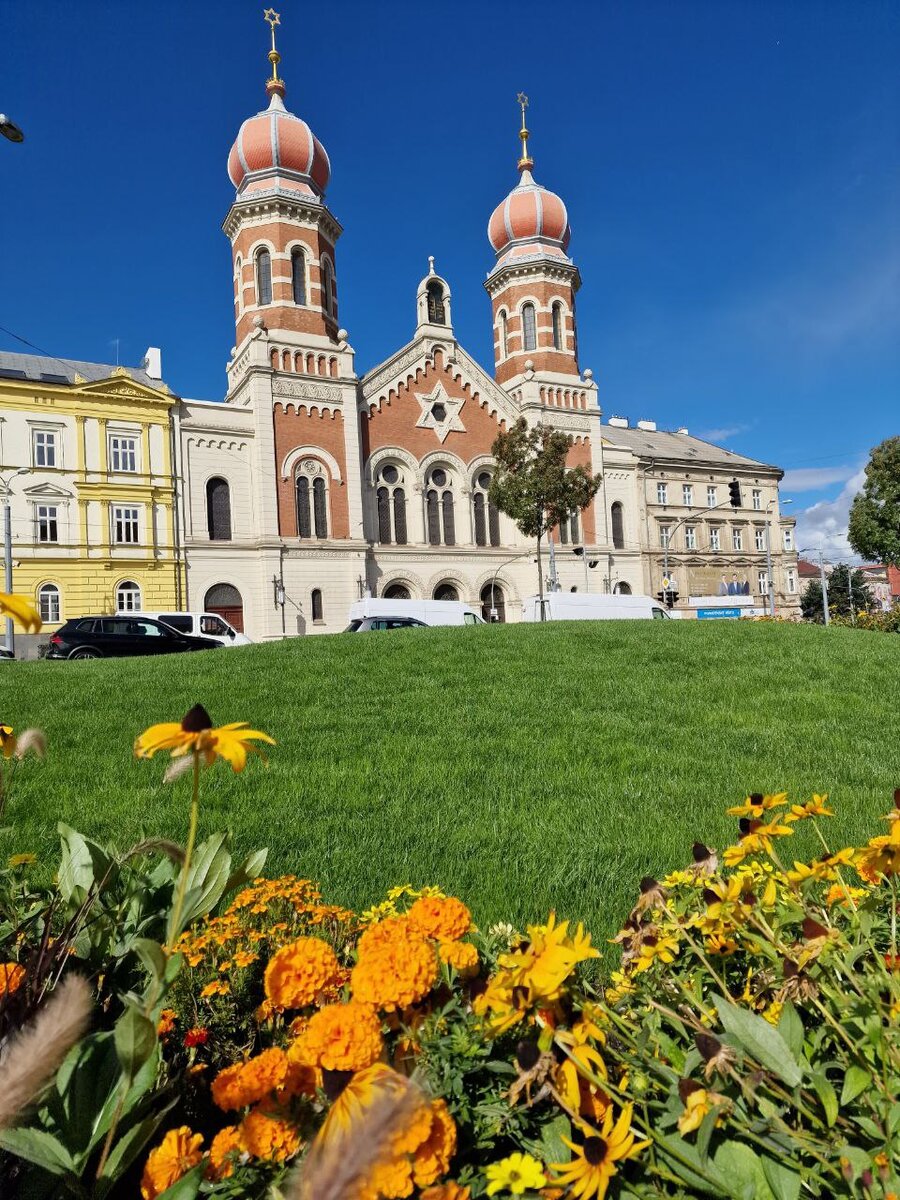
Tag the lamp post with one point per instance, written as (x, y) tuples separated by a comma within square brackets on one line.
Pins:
[(515, 558), (5, 481), (769, 577), (824, 581)]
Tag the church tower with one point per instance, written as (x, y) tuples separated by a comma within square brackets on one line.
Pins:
[(533, 283)]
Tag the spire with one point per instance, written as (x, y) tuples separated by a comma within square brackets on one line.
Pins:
[(526, 162), (275, 85)]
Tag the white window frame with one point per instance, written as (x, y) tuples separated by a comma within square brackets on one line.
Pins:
[(715, 538), (759, 538), (662, 493), (790, 576), (665, 536), (128, 516), (119, 451), (51, 442), (130, 593), (687, 495), (690, 537), (762, 581), (46, 514), (756, 496), (788, 540), (712, 496), (46, 610), (737, 539)]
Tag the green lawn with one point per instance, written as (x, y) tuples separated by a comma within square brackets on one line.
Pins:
[(523, 768)]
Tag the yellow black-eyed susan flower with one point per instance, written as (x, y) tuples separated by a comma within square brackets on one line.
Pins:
[(195, 734)]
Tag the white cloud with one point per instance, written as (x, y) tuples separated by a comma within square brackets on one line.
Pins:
[(810, 479), (722, 435), (824, 525)]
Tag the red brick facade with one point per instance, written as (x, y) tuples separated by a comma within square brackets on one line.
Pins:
[(300, 427)]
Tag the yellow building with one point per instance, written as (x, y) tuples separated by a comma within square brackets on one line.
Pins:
[(86, 466)]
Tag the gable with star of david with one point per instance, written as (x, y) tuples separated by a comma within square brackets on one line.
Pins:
[(440, 412)]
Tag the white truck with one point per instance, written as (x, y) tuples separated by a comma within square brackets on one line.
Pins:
[(582, 606), (425, 612)]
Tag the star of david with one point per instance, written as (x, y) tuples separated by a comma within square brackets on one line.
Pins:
[(440, 412), (272, 17)]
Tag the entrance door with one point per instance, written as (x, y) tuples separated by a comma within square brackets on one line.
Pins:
[(492, 598), (226, 601)]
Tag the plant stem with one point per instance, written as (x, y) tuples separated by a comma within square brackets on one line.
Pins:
[(178, 909)]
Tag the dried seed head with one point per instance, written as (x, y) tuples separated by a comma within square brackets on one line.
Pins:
[(31, 741)]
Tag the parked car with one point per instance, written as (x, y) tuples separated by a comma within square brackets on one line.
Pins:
[(582, 606), (426, 612), (367, 624), (125, 635), (201, 624), (6, 654)]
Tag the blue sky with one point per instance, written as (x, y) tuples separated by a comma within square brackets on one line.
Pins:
[(731, 172)]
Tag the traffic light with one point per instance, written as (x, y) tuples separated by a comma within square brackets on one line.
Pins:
[(734, 493), (668, 597)]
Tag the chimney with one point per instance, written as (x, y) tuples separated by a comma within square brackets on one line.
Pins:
[(682, 429), (649, 426), (619, 422), (152, 363)]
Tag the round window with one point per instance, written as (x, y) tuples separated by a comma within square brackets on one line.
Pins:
[(484, 480), (390, 474), (438, 477)]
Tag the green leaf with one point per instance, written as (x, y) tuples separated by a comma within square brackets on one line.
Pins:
[(151, 955), (785, 1184), (683, 1160), (187, 1187), (128, 1146), (743, 1169), (83, 862), (856, 1081), (38, 1147), (554, 1149), (135, 1037), (760, 1040), (791, 1029), (209, 873), (249, 869), (827, 1096)]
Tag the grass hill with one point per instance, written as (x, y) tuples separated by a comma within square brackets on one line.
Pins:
[(522, 768)]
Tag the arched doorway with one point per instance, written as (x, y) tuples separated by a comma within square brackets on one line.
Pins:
[(226, 600), (493, 598), (397, 591), (446, 591), (623, 589)]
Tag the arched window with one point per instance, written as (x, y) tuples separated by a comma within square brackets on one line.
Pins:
[(218, 510), (556, 312), (328, 287), (433, 517), (493, 602), (529, 331), (48, 603), (504, 334), (449, 522), (575, 528), (487, 515), (312, 501), (225, 600), (316, 604), (397, 591), (618, 526), (400, 516), (128, 597), (390, 499), (384, 515), (437, 313), (446, 591), (563, 532), (623, 589), (439, 510), (263, 277), (298, 276)]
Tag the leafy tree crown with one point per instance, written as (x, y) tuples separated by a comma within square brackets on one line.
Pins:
[(875, 514)]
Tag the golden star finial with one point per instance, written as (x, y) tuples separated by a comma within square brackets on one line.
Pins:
[(272, 18), (526, 162)]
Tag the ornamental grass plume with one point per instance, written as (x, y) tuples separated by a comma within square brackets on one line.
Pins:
[(33, 1057)]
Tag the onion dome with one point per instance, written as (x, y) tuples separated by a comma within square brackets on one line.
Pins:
[(530, 213), (275, 143)]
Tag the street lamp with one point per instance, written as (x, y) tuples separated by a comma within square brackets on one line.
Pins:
[(5, 481), (818, 550), (770, 579), (10, 130), (580, 552)]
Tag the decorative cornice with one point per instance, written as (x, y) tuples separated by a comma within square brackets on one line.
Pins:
[(533, 267), (296, 389), (274, 202)]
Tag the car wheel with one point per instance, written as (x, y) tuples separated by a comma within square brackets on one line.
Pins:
[(86, 652)]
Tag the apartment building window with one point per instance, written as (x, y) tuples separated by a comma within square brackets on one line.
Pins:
[(690, 537), (737, 539), (47, 523), (687, 495), (44, 448), (759, 536), (128, 596), (122, 454), (48, 603), (712, 497), (662, 493), (791, 578), (665, 534), (715, 539), (762, 580), (757, 500), (125, 526), (789, 539)]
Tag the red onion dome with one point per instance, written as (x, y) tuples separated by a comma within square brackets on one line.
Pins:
[(530, 213), (275, 142)]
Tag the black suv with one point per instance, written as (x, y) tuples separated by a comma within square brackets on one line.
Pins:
[(125, 635)]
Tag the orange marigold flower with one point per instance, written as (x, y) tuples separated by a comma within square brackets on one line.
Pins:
[(266, 1136), (166, 1022), (395, 974), (462, 956), (243, 958), (12, 977), (178, 1153), (300, 971), (432, 1158), (246, 1083), (386, 932), (218, 987), (448, 1191), (224, 1150), (344, 1037), (198, 1036), (441, 917)]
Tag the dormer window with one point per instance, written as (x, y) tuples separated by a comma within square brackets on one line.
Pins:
[(435, 297)]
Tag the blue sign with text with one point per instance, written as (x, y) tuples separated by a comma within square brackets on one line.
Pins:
[(705, 614)]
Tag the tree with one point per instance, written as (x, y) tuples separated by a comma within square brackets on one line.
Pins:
[(875, 514), (848, 592), (533, 485)]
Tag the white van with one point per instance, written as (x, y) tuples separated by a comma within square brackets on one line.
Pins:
[(582, 606), (429, 612), (201, 624)]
